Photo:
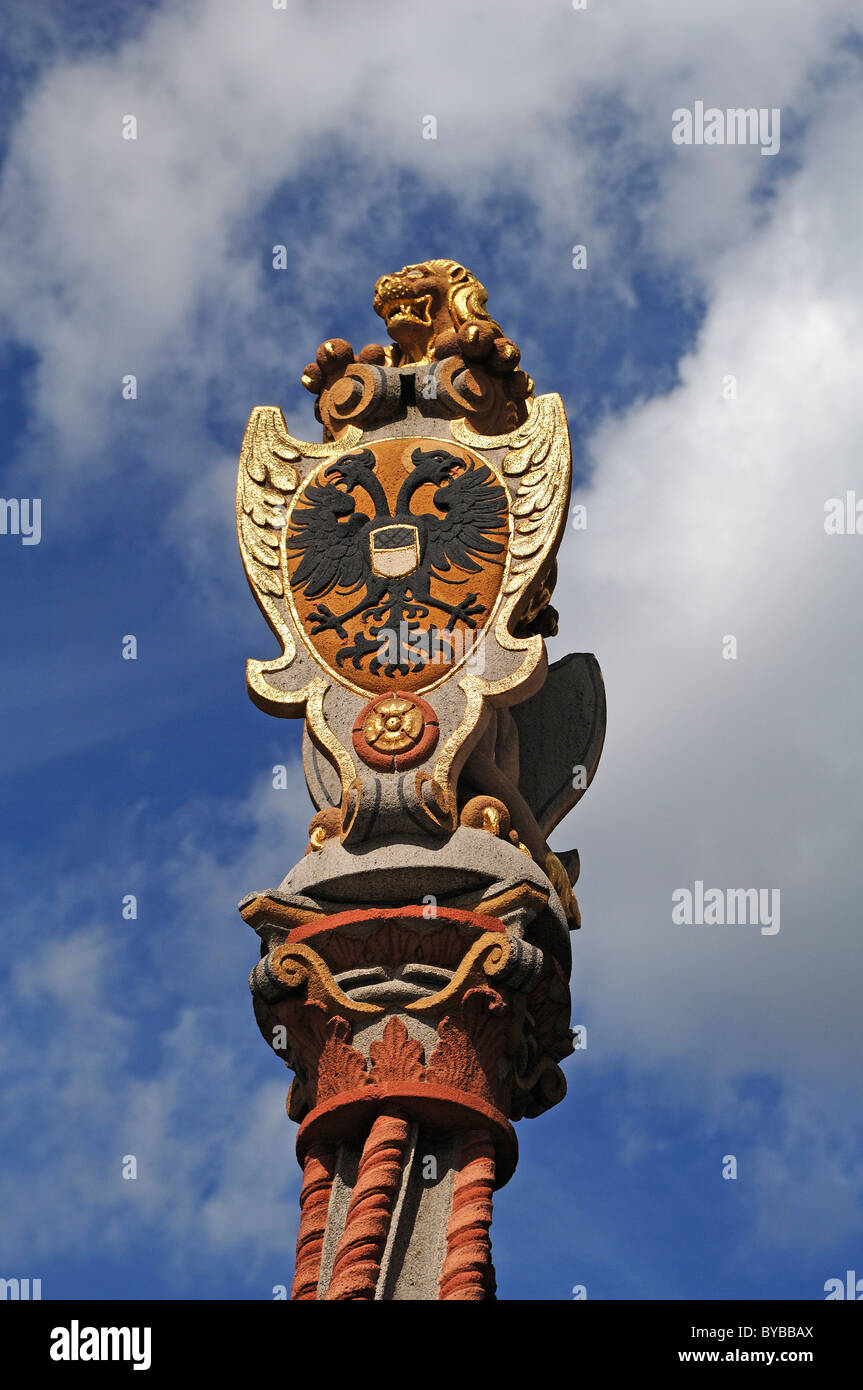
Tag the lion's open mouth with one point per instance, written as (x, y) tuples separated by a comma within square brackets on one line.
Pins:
[(416, 310)]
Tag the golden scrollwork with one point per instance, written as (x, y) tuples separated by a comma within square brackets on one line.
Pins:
[(295, 964), (559, 879)]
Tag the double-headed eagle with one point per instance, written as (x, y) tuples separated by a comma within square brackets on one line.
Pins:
[(390, 553)]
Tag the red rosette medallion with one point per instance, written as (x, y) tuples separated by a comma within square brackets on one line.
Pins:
[(396, 731)]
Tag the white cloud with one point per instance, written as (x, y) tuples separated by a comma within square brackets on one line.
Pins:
[(123, 256), (706, 518)]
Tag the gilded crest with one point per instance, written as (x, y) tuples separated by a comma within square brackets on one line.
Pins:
[(406, 562), (395, 555)]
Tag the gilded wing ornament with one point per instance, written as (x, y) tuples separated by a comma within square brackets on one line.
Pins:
[(267, 477), (537, 462), (540, 459)]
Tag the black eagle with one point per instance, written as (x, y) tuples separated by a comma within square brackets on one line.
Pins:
[(337, 543)]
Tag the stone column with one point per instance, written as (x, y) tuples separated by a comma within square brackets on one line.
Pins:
[(406, 1088), (415, 964)]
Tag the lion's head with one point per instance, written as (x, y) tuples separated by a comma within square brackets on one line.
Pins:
[(419, 302)]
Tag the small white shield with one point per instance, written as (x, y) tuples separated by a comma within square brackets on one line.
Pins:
[(395, 550)]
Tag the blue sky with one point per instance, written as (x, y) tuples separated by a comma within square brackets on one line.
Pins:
[(705, 518)]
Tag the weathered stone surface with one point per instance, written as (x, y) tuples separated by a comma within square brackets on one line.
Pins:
[(560, 735)]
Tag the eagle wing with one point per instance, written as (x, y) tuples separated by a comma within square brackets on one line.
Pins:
[(475, 511), (333, 555), (267, 475), (538, 462)]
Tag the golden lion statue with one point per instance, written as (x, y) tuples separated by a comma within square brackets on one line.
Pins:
[(432, 310)]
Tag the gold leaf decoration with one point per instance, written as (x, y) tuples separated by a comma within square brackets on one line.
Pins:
[(539, 458), (266, 476)]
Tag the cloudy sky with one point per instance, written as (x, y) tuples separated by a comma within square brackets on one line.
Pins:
[(709, 356)]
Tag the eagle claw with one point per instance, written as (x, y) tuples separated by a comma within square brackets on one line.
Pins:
[(465, 611), (323, 619)]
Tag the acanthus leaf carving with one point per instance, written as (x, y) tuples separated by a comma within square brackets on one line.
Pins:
[(396, 1056)]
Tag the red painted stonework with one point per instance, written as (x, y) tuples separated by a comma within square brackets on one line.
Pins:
[(396, 761), (357, 1263), (314, 1203), (468, 1274), (416, 922)]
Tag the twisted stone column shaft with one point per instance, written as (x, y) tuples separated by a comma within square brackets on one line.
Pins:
[(314, 1205), (468, 1273), (357, 1262)]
